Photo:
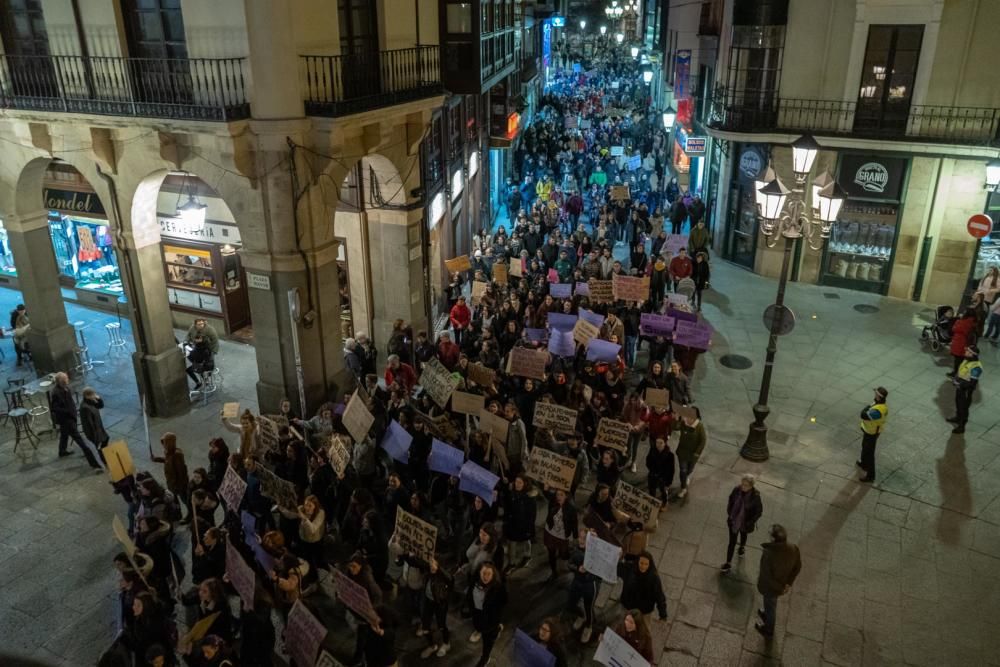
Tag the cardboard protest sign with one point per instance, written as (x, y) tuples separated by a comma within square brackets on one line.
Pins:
[(602, 350), (481, 375), (677, 299), (397, 442), (445, 459), (613, 651), (119, 460), (696, 335), (240, 575), (232, 489), (415, 536), (500, 272), (584, 331), (279, 490), (515, 268), (339, 454), (561, 290), (657, 398), (551, 469), (437, 381), (682, 411), (458, 264), (442, 426), (327, 660), (478, 290), (529, 653), (619, 192), (561, 343), (304, 633), (582, 289), (612, 433), (122, 536), (281, 421), (466, 404), (493, 424), (602, 291), (561, 321), (230, 410), (601, 558), (353, 595), (478, 481), (268, 433), (198, 630), (555, 417), (357, 418), (651, 324), (528, 363), (630, 288), (636, 503)]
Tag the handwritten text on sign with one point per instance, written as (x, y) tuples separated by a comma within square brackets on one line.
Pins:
[(636, 503), (551, 469), (555, 417), (415, 535), (612, 433)]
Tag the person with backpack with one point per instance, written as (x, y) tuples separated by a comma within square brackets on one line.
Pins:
[(175, 471)]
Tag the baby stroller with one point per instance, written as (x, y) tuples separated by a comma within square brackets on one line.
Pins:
[(939, 333)]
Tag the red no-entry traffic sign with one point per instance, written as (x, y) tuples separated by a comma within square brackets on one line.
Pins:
[(980, 225)]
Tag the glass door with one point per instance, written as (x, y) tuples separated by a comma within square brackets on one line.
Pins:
[(360, 72), (890, 69), (26, 45)]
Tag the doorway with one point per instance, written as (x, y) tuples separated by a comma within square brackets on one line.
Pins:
[(26, 46), (159, 68)]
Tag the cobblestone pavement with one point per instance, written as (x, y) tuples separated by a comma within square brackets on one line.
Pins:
[(904, 571)]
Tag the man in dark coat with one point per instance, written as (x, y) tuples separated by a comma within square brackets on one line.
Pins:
[(64, 414), (742, 512), (780, 564)]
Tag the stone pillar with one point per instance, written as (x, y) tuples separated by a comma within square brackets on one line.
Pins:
[(397, 271), (158, 361), (274, 60), (320, 343), (51, 337)]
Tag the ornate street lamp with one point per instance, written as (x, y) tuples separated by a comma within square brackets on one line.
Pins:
[(620, 37), (799, 220), (604, 30), (634, 51), (669, 116)]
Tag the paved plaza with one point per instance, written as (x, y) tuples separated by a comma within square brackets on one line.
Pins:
[(904, 571)]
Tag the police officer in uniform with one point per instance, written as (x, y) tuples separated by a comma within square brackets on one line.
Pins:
[(965, 381), (872, 422)]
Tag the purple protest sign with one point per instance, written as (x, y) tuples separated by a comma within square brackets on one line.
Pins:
[(602, 350), (583, 289), (675, 242), (478, 481), (651, 324), (561, 290), (562, 321), (681, 315), (445, 459), (536, 335), (561, 343), (592, 317), (529, 653), (696, 335), (397, 442)]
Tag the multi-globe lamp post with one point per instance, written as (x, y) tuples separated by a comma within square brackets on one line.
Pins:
[(811, 221)]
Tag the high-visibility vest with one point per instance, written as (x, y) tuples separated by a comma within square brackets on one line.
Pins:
[(874, 426), (966, 368)]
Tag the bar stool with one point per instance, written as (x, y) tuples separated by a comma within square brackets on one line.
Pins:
[(115, 339), (22, 428), (83, 361), (14, 397), (16, 382)]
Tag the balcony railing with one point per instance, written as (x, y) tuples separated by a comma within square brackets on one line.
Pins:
[(190, 89), (356, 82), (745, 112)]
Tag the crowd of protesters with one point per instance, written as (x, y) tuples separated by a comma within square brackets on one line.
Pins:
[(576, 198)]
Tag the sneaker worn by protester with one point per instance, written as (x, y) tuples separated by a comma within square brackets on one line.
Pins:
[(585, 635), (741, 550), (429, 651), (726, 567), (443, 650), (633, 467), (762, 630), (578, 623), (421, 632), (475, 637), (682, 493)]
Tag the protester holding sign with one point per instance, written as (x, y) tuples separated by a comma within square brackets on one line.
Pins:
[(641, 586)]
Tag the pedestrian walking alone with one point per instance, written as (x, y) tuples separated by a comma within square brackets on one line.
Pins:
[(64, 413), (93, 424), (873, 419), (780, 564), (965, 381), (742, 512)]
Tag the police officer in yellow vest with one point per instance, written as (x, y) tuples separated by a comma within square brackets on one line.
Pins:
[(965, 381), (872, 422)]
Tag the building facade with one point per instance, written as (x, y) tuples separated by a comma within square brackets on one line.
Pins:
[(893, 92), (254, 162)]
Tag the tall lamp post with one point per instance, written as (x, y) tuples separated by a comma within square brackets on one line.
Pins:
[(795, 222)]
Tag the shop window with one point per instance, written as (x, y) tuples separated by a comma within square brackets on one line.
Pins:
[(458, 17), (887, 77), (189, 267), (84, 252), (433, 162)]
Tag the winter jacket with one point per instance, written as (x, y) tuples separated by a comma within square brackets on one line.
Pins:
[(62, 405), (780, 564), (460, 316), (519, 517), (752, 509), (660, 464), (962, 335), (700, 273), (642, 590), (691, 443), (488, 618), (90, 419), (176, 474), (680, 267), (569, 516)]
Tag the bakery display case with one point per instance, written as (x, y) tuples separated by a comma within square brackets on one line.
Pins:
[(206, 279), (858, 254)]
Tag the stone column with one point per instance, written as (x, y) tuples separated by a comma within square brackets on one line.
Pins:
[(320, 343), (158, 361), (274, 60), (397, 271), (51, 337)]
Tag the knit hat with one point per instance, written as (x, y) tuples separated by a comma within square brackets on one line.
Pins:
[(882, 392)]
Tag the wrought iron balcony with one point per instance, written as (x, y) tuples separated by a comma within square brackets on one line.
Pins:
[(750, 112), (356, 82), (191, 89)]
